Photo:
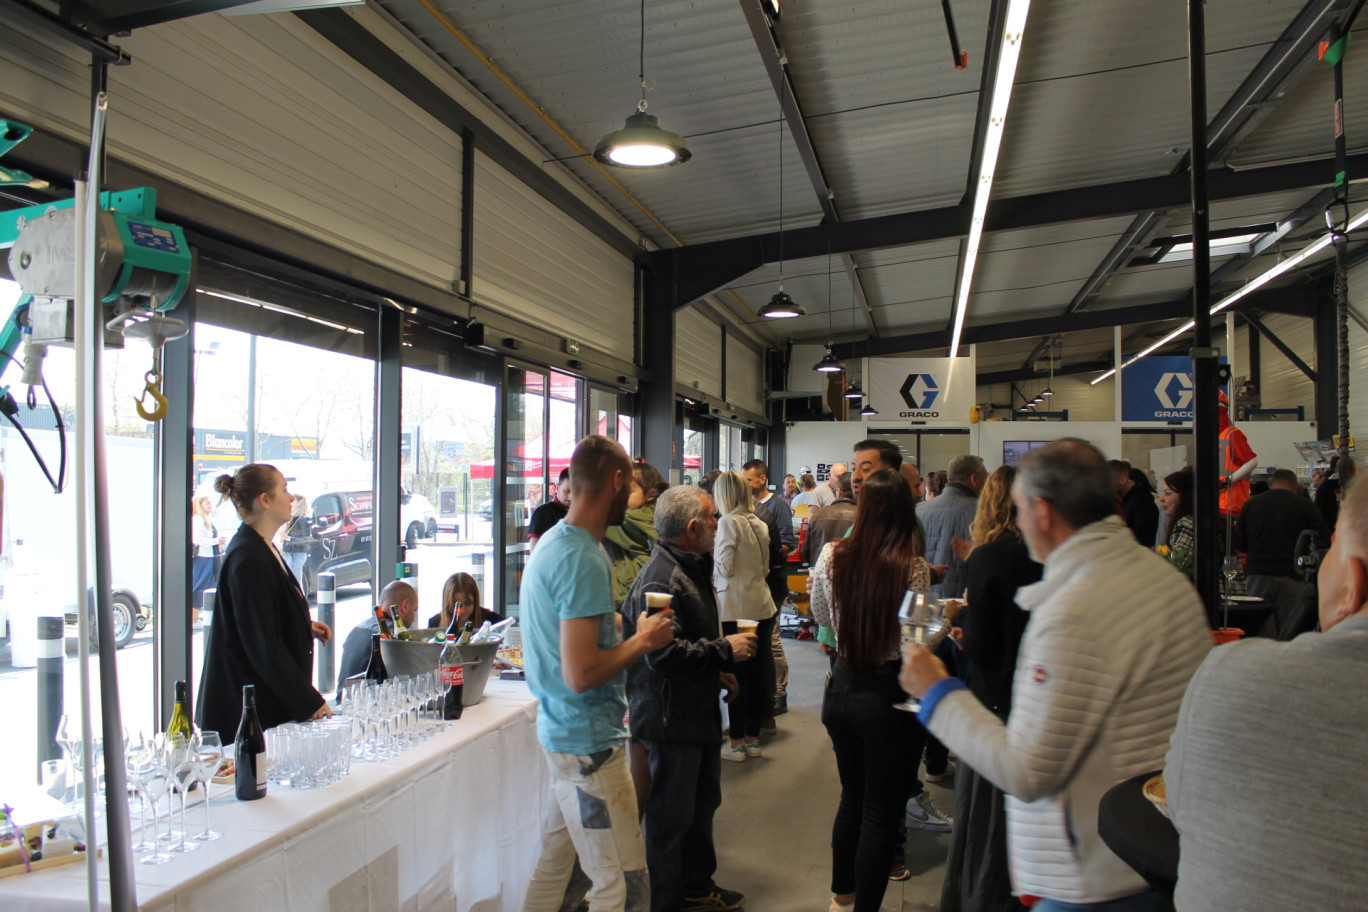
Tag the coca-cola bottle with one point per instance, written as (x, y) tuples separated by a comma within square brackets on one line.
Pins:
[(451, 673)]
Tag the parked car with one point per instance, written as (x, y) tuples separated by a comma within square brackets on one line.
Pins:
[(341, 538), (416, 517)]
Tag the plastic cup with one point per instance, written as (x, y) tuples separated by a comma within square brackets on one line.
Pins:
[(658, 601)]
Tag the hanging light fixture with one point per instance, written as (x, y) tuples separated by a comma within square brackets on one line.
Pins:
[(854, 392), (829, 364), (781, 306), (868, 411), (642, 143)]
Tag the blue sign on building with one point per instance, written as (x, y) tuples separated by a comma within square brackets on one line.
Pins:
[(1157, 389)]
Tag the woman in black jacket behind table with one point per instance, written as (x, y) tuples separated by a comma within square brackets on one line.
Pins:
[(976, 872), (261, 633)]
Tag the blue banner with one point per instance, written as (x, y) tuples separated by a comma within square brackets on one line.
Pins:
[(1158, 389)]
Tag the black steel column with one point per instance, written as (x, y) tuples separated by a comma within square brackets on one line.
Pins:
[(1205, 425), (174, 458), (1255, 358), (1325, 332), (387, 548), (657, 397)]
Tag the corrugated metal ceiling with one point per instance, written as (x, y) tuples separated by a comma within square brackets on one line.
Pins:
[(1101, 96)]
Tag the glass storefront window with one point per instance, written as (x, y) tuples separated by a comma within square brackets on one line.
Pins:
[(447, 512), (309, 412)]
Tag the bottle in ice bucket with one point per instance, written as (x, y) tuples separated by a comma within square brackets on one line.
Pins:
[(249, 750), (451, 673)]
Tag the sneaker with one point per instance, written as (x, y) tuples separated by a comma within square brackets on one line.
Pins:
[(942, 775), (752, 748), (899, 872), (734, 754), (838, 907), (716, 900), (922, 814)]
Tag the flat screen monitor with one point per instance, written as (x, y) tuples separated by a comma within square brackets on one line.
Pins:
[(1013, 450)]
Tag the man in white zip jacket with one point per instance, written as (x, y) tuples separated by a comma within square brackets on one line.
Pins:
[(1115, 634)]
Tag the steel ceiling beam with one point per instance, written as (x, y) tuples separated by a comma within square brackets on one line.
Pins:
[(1290, 300), (123, 15), (1289, 60), (38, 17), (775, 61), (701, 269)]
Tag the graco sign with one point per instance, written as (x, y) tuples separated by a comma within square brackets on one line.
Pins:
[(922, 389), (1157, 389)]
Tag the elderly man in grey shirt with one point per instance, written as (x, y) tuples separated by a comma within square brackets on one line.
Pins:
[(947, 518), (826, 493), (1265, 774)]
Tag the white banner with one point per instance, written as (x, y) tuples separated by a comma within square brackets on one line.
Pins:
[(922, 389)]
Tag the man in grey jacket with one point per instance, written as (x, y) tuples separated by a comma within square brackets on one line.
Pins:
[(1115, 634), (947, 517), (1285, 725), (672, 699)]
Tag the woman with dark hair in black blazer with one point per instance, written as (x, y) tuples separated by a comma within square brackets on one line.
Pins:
[(262, 633)]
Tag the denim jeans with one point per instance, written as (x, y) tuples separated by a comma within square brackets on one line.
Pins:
[(594, 815), (1139, 902), (686, 790), (877, 748)]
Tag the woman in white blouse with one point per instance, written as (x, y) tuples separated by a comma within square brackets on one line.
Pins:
[(740, 562), (857, 586), (207, 541)]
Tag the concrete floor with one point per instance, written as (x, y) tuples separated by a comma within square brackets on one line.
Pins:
[(773, 831)]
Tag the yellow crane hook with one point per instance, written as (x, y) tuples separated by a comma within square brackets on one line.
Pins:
[(152, 387)]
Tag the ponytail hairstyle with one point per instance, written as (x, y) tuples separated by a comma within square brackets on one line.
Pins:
[(245, 487)]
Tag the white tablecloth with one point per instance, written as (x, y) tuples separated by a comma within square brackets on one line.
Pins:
[(452, 823)]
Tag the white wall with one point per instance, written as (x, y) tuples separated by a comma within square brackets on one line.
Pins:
[(1105, 435)]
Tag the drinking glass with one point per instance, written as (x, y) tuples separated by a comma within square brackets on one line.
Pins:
[(136, 785), (208, 758), (180, 760), (146, 767), (922, 617)]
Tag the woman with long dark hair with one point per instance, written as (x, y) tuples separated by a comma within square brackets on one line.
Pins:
[(1176, 501), (857, 586), (461, 599), (977, 878)]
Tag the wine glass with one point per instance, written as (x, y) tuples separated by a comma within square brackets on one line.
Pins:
[(922, 617), (180, 761), (208, 758), (67, 739), (146, 766), (145, 845)]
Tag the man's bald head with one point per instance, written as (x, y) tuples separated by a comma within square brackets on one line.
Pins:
[(403, 598)]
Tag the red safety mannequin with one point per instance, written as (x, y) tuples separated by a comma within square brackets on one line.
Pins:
[(1237, 463)]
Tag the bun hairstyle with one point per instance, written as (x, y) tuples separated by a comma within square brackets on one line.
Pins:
[(246, 486)]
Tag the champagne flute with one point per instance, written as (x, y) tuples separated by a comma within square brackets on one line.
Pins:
[(135, 783), (923, 621), (208, 758)]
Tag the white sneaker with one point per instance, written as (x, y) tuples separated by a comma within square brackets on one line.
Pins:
[(838, 907), (922, 814), (734, 754), (752, 748)]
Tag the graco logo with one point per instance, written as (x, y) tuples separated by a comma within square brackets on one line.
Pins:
[(930, 390), (1184, 390)]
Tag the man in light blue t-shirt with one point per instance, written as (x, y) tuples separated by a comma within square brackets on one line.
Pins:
[(575, 667)]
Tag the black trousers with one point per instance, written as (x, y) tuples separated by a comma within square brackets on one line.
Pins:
[(755, 701), (686, 790), (876, 749)]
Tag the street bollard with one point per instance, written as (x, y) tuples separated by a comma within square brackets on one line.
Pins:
[(327, 604), (51, 668)]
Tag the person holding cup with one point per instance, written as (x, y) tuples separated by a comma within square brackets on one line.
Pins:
[(740, 564), (672, 699)]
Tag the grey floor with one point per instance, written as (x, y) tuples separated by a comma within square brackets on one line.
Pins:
[(773, 831)]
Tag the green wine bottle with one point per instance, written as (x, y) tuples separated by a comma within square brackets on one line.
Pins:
[(180, 716)]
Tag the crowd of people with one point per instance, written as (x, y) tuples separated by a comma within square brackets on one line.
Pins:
[(1079, 656)]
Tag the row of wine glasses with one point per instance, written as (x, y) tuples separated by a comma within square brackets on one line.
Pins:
[(390, 717), (164, 766)]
